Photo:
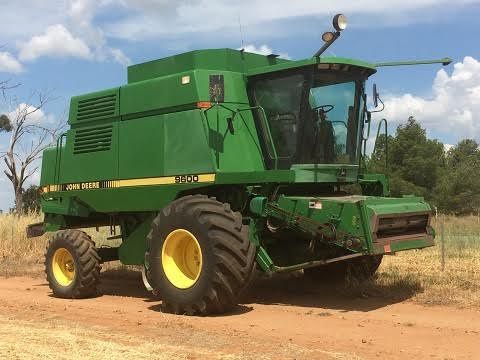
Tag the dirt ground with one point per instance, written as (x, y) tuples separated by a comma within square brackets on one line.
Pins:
[(280, 319)]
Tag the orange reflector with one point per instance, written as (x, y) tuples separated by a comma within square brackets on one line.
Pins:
[(204, 104), (387, 249)]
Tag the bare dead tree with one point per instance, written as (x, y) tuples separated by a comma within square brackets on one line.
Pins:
[(6, 85), (28, 138)]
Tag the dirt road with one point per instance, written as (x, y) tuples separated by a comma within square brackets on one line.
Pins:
[(281, 319)]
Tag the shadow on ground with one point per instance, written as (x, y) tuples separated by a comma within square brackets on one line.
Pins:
[(124, 282), (298, 290), (288, 290)]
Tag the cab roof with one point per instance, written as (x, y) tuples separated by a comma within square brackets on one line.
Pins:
[(229, 60)]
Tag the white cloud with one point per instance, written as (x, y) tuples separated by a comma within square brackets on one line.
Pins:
[(263, 50), (21, 20), (9, 64), (453, 108), (82, 11), (143, 19), (34, 179), (120, 57), (23, 108), (149, 18), (139, 19), (65, 28), (56, 41)]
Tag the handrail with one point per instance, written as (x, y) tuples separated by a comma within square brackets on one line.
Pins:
[(58, 157), (383, 121), (271, 146), (365, 139), (363, 154), (274, 157)]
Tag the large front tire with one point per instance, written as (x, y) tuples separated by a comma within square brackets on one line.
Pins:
[(200, 257), (72, 265)]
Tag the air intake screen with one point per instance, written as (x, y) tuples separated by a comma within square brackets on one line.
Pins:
[(97, 108), (93, 139)]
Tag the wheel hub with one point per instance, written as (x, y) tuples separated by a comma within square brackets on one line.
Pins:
[(182, 258), (63, 267)]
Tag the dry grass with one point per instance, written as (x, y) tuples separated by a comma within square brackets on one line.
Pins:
[(53, 339), (417, 274), (17, 253), (22, 256)]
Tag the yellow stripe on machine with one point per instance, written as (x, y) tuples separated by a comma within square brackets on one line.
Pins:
[(113, 184)]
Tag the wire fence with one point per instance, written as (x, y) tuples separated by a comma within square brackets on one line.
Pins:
[(457, 236)]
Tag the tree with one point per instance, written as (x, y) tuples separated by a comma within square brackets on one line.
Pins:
[(458, 190), (414, 161), (31, 199), (5, 124), (6, 85), (465, 150), (28, 139)]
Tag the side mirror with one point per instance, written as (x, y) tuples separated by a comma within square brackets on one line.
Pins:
[(376, 95)]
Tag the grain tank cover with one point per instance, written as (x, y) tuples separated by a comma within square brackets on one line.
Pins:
[(214, 59)]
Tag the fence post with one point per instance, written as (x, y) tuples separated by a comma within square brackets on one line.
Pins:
[(442, 240)]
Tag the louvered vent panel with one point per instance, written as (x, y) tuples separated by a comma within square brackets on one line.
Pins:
[(97, 108), (93, 139)]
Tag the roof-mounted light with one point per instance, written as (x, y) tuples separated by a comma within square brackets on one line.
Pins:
[(328, 36), (340, 22)]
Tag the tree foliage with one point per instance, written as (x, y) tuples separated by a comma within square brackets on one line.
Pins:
[(31, 199), (419, 165), (458, 190), (5, 123)]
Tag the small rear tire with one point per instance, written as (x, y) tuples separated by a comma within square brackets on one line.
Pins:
[(72, 265)]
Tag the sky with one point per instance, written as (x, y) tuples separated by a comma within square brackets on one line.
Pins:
[(69, 47)]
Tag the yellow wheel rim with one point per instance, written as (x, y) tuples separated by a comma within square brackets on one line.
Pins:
[(63, 267), (182, 258)]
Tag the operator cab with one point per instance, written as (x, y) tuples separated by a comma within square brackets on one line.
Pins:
[(312, 114)]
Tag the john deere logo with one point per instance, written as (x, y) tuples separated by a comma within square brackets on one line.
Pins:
[(83, 186)]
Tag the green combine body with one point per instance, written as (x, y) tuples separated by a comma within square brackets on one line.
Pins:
[(217, 162)]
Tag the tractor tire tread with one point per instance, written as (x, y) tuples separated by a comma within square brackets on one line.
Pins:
[(234, 253), (87, 264)]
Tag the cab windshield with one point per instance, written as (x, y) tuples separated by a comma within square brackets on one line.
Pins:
[(311, 117)]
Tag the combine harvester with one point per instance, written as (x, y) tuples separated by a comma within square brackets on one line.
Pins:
[(215, 163)]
